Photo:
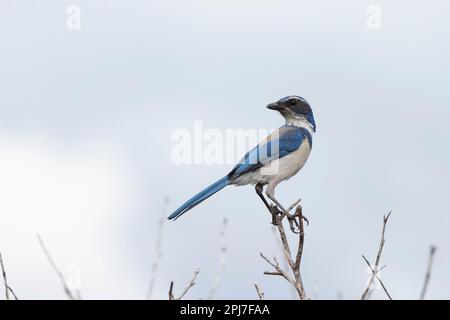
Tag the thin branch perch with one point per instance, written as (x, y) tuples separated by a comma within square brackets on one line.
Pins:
[(186, 290), (378, 278), (222, 257), (158, 252), (8, 289), (375, 269), (428, 274), (59, 273), (297, 220), (259, 291), (171, 296)]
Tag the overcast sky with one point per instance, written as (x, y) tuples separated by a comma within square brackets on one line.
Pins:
[(86, 119)]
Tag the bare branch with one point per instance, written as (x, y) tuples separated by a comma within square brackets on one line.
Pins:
[(189, 286), (298, 259), (279, 271), (223, 251), (5, 280), (13, 293), (296, 202), (159, 237), (272, 273), (428, 274), (301, 240), (285, 264), (295, 219), (377, 261), (259, 291), (60, 275), (8, 289), (378, 278), (171, 296)]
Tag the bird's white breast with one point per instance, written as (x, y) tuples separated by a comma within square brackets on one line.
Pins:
[(279, 169), (289, 165)]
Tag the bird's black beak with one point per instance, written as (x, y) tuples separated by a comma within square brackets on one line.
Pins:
[(274, 106)]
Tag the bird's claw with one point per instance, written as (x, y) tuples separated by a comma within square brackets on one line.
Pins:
[(275, 214), (306, 220), (294, 225)]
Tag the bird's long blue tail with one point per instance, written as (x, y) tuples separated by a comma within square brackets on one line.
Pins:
[(203, 195)]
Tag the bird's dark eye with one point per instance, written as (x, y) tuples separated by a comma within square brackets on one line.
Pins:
[(293, 102)]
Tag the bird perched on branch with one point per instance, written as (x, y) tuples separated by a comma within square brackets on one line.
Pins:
[(275, 159)]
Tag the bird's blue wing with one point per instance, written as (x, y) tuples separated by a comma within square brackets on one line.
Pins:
[(277, 145)]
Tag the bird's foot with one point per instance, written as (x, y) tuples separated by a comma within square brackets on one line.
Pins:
[(294, 220), (294, 225), (276, 213), (306, 220)]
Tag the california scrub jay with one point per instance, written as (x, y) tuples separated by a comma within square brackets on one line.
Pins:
[(285, 150)]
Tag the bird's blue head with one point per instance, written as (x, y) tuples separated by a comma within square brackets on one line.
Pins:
[(295, 110)]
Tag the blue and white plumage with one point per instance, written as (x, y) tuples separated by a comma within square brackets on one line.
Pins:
[(275, 159)]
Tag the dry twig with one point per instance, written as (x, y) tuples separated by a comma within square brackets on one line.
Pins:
[(5, 280), (378, 278), (171, 296), (223, 251), (59, 273), (296, 219), (259, 291), (8, 289), (284, 261), (428, 274), (375, 269), (158, 252), (189, 286)]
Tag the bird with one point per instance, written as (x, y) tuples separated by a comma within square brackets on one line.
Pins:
[(275, 159)]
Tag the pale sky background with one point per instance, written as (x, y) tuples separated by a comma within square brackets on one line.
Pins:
[(86, 119)]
